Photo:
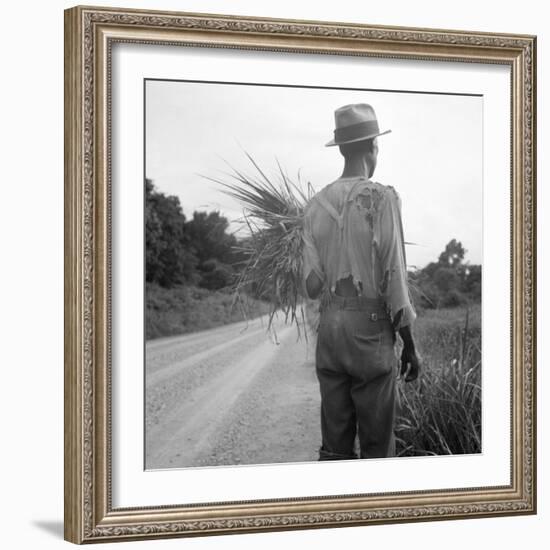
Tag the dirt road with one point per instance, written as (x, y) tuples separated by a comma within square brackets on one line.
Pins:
[(231, 395)]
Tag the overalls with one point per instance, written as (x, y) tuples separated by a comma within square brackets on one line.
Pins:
[(356, 369), (355, 362)]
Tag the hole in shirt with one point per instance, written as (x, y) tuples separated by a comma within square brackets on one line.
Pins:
[(348, 287), (385, 281), (368, 201)]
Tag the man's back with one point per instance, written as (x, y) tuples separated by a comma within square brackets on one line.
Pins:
[(352, 232)]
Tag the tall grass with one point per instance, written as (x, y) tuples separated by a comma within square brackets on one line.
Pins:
[(440, 413)]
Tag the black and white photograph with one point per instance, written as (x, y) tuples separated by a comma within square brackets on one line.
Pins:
[(313, 274)]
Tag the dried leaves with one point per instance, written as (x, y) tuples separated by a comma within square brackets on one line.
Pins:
[(273, 214)]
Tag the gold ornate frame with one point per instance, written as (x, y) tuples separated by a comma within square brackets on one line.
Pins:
[(89, 35)]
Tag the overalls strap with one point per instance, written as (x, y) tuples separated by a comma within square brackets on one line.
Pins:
[(338, 216)]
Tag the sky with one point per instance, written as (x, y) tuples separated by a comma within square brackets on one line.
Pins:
[(432, 157)]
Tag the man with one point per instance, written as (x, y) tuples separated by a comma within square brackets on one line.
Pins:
[(354, 261)]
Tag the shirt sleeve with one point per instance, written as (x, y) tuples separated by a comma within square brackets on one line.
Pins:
[(310, 255), (393, 287)]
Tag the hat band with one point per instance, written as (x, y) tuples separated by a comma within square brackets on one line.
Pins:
[(355, 131)]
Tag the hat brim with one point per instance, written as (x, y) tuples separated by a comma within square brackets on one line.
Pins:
[(332, 143)]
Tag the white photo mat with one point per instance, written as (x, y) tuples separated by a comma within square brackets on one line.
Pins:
[(132, 486)]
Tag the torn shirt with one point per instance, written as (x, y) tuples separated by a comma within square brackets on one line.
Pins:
[(353, 228)]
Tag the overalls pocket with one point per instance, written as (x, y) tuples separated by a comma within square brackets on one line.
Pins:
[(374, 348)]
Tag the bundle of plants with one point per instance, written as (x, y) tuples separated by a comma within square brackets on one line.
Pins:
[(273, 209)]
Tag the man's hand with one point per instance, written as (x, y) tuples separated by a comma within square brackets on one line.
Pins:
[(410, 364), (410, 360)]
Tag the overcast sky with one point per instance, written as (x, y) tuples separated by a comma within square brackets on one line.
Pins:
[(433, 157)]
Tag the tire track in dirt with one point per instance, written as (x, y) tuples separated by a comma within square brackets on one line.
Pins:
[(168, 386), (166, 351), (278, 418), (185, 432)]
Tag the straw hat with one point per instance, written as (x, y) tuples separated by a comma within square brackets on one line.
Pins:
[(355, 123)]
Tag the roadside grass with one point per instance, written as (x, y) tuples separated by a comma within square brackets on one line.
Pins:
[(440, 413), (185, 309)]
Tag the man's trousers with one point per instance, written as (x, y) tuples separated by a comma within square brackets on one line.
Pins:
[(356, 368)]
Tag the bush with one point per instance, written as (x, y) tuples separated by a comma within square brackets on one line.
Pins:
[(216, 275), (184, 309), (453, 298), (448, 282)]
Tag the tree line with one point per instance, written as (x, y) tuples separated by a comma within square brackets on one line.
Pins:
[(448, 282), (178, 251), (201, 252)]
